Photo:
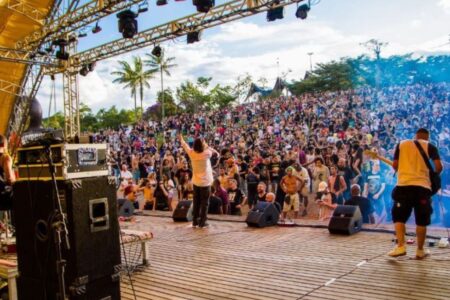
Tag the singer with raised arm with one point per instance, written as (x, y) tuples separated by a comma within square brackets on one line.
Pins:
[(202, 178)]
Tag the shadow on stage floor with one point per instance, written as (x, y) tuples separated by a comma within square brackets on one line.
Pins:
[(229, 260)]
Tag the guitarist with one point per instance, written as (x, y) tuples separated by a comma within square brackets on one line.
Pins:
[(7, 176), (413, 189)]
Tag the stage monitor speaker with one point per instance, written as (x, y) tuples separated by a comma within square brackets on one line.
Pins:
[(183, 211), (262, 215), (346, 219), (93, 260)]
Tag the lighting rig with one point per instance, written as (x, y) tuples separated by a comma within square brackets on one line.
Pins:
[(73, 63)]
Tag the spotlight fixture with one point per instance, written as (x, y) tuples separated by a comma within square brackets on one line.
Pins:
[(302, 11), (128, 25), (193, 36), (82, 34), (84, 70), (157, 51), (61, 53), (143, 7), (96, 28), (161, 2), (203, 5), (275, 13), (91, 66)]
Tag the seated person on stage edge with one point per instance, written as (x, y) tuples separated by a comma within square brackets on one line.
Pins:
[(270, 197), (325, 199), (364, 204), (148, 188), (236, 197), (215, 206)]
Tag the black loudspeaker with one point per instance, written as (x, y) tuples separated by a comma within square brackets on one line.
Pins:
[(183, 211), (262, 215), (346, 219), (93, 260)]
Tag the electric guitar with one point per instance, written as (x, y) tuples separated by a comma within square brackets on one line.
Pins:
[(375, 155)]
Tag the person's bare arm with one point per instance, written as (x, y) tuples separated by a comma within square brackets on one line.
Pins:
[(9, 174), (183, 143), (438, 166)]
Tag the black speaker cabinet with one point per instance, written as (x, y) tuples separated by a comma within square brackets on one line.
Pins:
[(262, 215), (93, 260), (346, 219), (183, 212)]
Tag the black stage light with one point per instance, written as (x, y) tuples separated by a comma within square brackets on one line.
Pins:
[(161, 2), (193, 37), (91, 66), (61, 53), (96, 28), (143, 7), (128, 25), (157, 51), (275, 13), (302, 11), (82, 34), (84, 70), (203, 5)]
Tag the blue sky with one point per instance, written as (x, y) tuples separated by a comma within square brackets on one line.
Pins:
[(333, 29)]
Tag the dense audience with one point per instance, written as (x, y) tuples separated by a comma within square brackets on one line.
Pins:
[(309, 148)]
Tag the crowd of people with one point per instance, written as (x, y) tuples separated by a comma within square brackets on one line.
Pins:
[(305, 153)]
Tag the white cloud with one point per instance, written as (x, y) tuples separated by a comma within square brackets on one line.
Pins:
[(445, 4), (237, 48), (416, 23)]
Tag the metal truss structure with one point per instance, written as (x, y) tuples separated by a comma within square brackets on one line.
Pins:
[(26, 10), (95, 10), (74, 20), (26, 57)]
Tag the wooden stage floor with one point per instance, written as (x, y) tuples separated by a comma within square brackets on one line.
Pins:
[(228, 260)]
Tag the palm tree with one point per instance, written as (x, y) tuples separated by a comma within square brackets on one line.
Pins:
[(163, 65), (126, 76), (142, 77), (135, 78)]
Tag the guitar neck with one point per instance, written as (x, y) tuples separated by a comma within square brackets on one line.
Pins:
[(385, 160)]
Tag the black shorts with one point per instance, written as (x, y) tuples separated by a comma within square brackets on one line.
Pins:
[(408, 197)]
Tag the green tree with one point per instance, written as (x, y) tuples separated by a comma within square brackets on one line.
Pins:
[(161, 64), (193, 97), (242, 86), (55, 121), (136, 78), (126, 76), (221, 97)]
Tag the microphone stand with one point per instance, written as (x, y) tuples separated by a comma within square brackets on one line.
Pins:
[(59, 226)]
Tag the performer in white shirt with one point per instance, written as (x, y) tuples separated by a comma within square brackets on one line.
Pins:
[(202, 178)]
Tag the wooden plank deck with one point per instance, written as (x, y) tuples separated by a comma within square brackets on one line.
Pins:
[(231, 261)]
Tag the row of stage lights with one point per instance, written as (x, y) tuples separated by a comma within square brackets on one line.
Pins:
[(128, 26), (278, 12)]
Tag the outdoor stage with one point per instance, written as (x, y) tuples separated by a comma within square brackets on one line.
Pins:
[(229, 260)]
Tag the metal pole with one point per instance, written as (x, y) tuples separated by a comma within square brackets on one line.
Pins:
[(162, 91)]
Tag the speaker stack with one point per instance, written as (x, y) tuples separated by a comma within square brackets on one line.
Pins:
[(262, 215), (346, 219), (93, 262)]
